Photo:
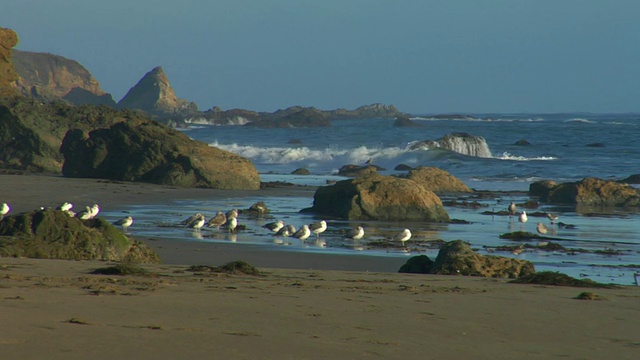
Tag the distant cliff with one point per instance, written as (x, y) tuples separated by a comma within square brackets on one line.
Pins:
[(49, 77), (154, 94)]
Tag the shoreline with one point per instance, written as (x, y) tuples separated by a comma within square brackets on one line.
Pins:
[(303, 305)]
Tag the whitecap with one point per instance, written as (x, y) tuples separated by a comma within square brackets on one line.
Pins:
[(581, 120), (507, 156)]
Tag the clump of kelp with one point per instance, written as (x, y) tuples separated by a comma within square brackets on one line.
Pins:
[(558, 279), (237, 267), (122, 269)]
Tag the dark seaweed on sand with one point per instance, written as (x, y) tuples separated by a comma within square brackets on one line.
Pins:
[(121, 269), (234, 267), (558, 279)]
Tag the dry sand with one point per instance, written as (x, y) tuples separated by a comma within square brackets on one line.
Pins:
[(56, 309)]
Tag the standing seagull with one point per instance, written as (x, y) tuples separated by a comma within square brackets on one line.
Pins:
[(218, 220), (233, 213), (355, 234), (197, 223), (95, 209), (85, 214), (191, 219), (403, 236), (125, 222), (303, 233), (274, 226), (318, 228), (4, 210), (512, 209), (541, 228), (552, 217), (232, 224), (523, 218)]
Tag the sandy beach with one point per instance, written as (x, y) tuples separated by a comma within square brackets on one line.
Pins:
[(302, 306)]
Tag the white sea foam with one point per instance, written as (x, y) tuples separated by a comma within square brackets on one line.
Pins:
[(581, 120), (507, 156)]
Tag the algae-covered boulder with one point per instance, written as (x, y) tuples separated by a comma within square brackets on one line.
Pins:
[(457, 257), (52, 234), (150, 152), (379, 197), (420, 264), (437, 180), (594, 192)]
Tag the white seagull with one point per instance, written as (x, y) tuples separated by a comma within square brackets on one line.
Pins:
[(66, 206), (318, 227), (4, 210), (355, 234), (85, 214), (403, 236), (552, 217), (232, 224), (125, 222), (198, 223)]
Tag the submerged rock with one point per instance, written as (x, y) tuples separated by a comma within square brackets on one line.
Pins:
[(378, 197), (52, 234), (149, 152)]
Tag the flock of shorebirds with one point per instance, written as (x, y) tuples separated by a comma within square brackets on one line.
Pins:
[(88, 213), (278, 228)]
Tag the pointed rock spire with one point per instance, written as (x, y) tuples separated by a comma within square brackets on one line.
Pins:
[(154, 94)]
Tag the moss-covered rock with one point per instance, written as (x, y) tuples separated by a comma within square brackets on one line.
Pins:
[(379, 197), (420, 264), (457, 257), (52, 234)]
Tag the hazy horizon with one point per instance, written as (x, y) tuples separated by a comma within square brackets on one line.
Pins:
[(424, 57)]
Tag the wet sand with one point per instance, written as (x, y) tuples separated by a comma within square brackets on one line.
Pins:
[(304, 306)]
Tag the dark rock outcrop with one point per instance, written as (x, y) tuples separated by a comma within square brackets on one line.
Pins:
[(154, 94), (149, 152), (436, 180), (631, 179), (594, 192), (301, 171), (8, 75), (48, 77), (461, 143), (402, 167), (457, 258), (22, 148), (352, 170), (522, 142), (541, 188), (52, 234), (378, 197), (307, 117), (405, 121), (420, 264)]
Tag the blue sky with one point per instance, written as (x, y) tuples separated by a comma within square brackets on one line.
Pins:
[(423, 56)]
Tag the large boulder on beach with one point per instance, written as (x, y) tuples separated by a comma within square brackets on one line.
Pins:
[(594, 192), (437, 180), (457, 258), (352, 170), (379, 197), (147, 151), (52, 234)]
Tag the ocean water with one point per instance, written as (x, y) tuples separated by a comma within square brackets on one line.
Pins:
[(563, 147)]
